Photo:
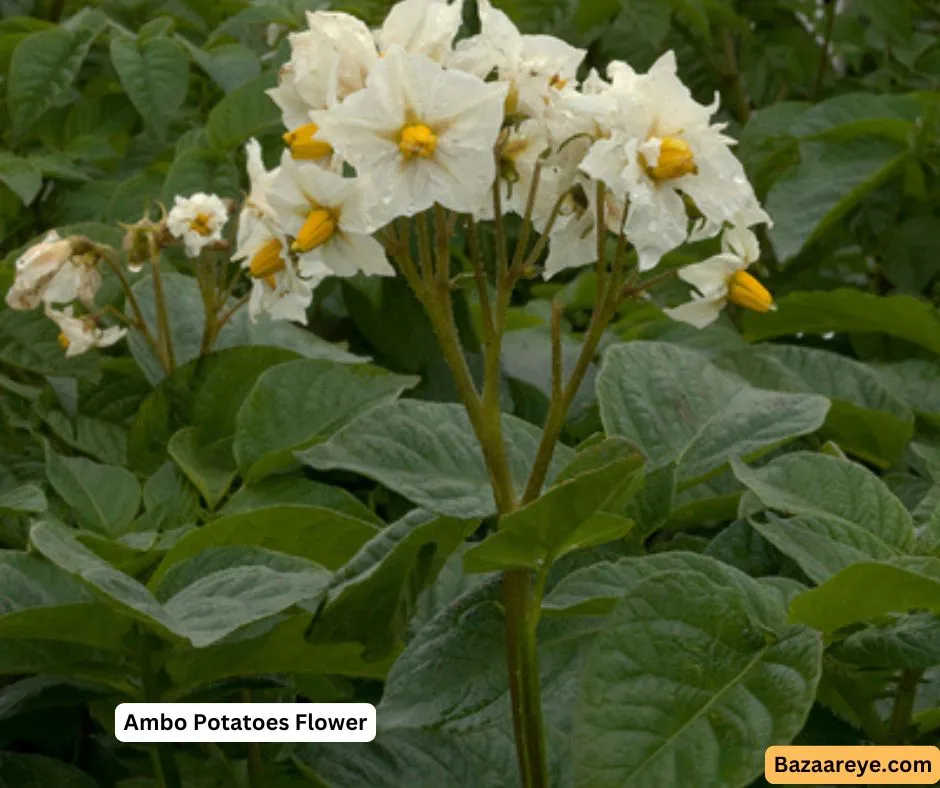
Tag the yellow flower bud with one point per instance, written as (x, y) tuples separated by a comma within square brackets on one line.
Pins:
[(417, 140), (317, 229), (303, 145), (675, 160), (744, 290), (267, 261)]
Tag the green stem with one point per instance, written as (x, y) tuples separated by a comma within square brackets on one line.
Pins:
[(255, 762), (163, 320), (904, 698), (161, 754), (824, 56), (140, 323)]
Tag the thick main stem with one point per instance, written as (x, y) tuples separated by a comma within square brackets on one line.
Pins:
[(163, 320), (161, 757)]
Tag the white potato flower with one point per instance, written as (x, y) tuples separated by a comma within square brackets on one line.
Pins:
[(81, 334), (256, 214), (419, 134), (662, 146), (327, 217), (197, 220), (51, 273), (534, 66), (723, 278), (424, 26)]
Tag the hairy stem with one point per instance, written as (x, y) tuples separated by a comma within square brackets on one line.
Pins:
[(161, 755), (139, 323), (824, 56), (255, 763)]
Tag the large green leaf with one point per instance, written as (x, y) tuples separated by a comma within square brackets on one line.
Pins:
[(304, 402), (908, 642), (851, 115), (209, 466), (298, 491), (22, 176), (373, 597), (40, 601), (678, 407), (427, 452), (917, 382), (574, 514), (201, 170), (229, 65), (43, 67), (202, 599), (870, 589), (830, 180), (104, 497), (685, 679), (844, 512), (850, 311), (25, 499), (865, 417), (473, 693), (243, 113), (327, 537), (155, 75)]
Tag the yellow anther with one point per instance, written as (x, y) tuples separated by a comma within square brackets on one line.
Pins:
[(675, 160), (417, 140), (744, 290), (200, 225), (318, 228), (267, 261), (557, 82), (64, 341), (303, 145)]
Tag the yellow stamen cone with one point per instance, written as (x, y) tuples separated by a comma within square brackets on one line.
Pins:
[(675, 160), (267, 260), (318, 228), (64, 341), (744, 290), (303, 145), (200, 225), (417, 140)]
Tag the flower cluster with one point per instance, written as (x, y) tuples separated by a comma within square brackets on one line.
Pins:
[(424, 121), (386, 125)]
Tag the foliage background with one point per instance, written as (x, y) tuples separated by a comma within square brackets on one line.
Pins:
[(108, 106)]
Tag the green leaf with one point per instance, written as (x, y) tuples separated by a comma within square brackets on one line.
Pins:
[(744, 682), (201, 170), (854, 114), (22, 175), (321, 535), (865, 418), (574, 514), (831, 180), (209, 466), (298, 491), (25, 499), (917, 382), (229, 65), (155, 75), (37, 771), (473, 693), (105, 498), (43, 67), (428, 453), (243, 113), (373, 597), (40, 601), (850, 311), (868, 590), (596, 589), (419, 758), (270, 647), (818, 485), (213, 594), (907, 642), (300, 403), (678, 407)]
